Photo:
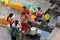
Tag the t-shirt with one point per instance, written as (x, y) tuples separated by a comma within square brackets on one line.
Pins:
[(39, 14), (26, 11), (15, 30)]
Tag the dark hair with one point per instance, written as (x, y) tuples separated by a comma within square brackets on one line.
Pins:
[(16, 22), (39, 8), (24, 7), (10, 15), (23, 13)]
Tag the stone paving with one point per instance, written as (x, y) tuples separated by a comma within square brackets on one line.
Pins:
[(4, 35)]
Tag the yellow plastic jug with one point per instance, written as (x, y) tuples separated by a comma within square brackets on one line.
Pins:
[(33, 17), (46, 16), (6, 2)]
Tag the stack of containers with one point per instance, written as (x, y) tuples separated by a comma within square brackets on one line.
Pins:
[(6, 2), (19, 7)]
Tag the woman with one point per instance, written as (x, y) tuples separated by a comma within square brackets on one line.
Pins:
[(24, 22)]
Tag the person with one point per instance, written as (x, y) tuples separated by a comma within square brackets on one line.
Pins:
[(39, 13), (27, 12), (15, 24), (10, 19), (15, 30), (32, 22), (23, 22)]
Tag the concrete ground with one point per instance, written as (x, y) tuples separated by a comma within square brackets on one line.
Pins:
[(4, 35)]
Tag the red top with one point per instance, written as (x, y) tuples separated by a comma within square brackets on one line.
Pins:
[(39, 14), (26, 11)]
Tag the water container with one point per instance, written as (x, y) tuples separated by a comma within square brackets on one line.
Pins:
[(33, 31)]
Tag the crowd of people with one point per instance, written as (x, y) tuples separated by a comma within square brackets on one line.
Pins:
[(26, 20)]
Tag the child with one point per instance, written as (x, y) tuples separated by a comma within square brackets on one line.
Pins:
[(27, 12), (24, 22), (32, 22), (15, 30), (16, 26), (10, 19), (39, 13)]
